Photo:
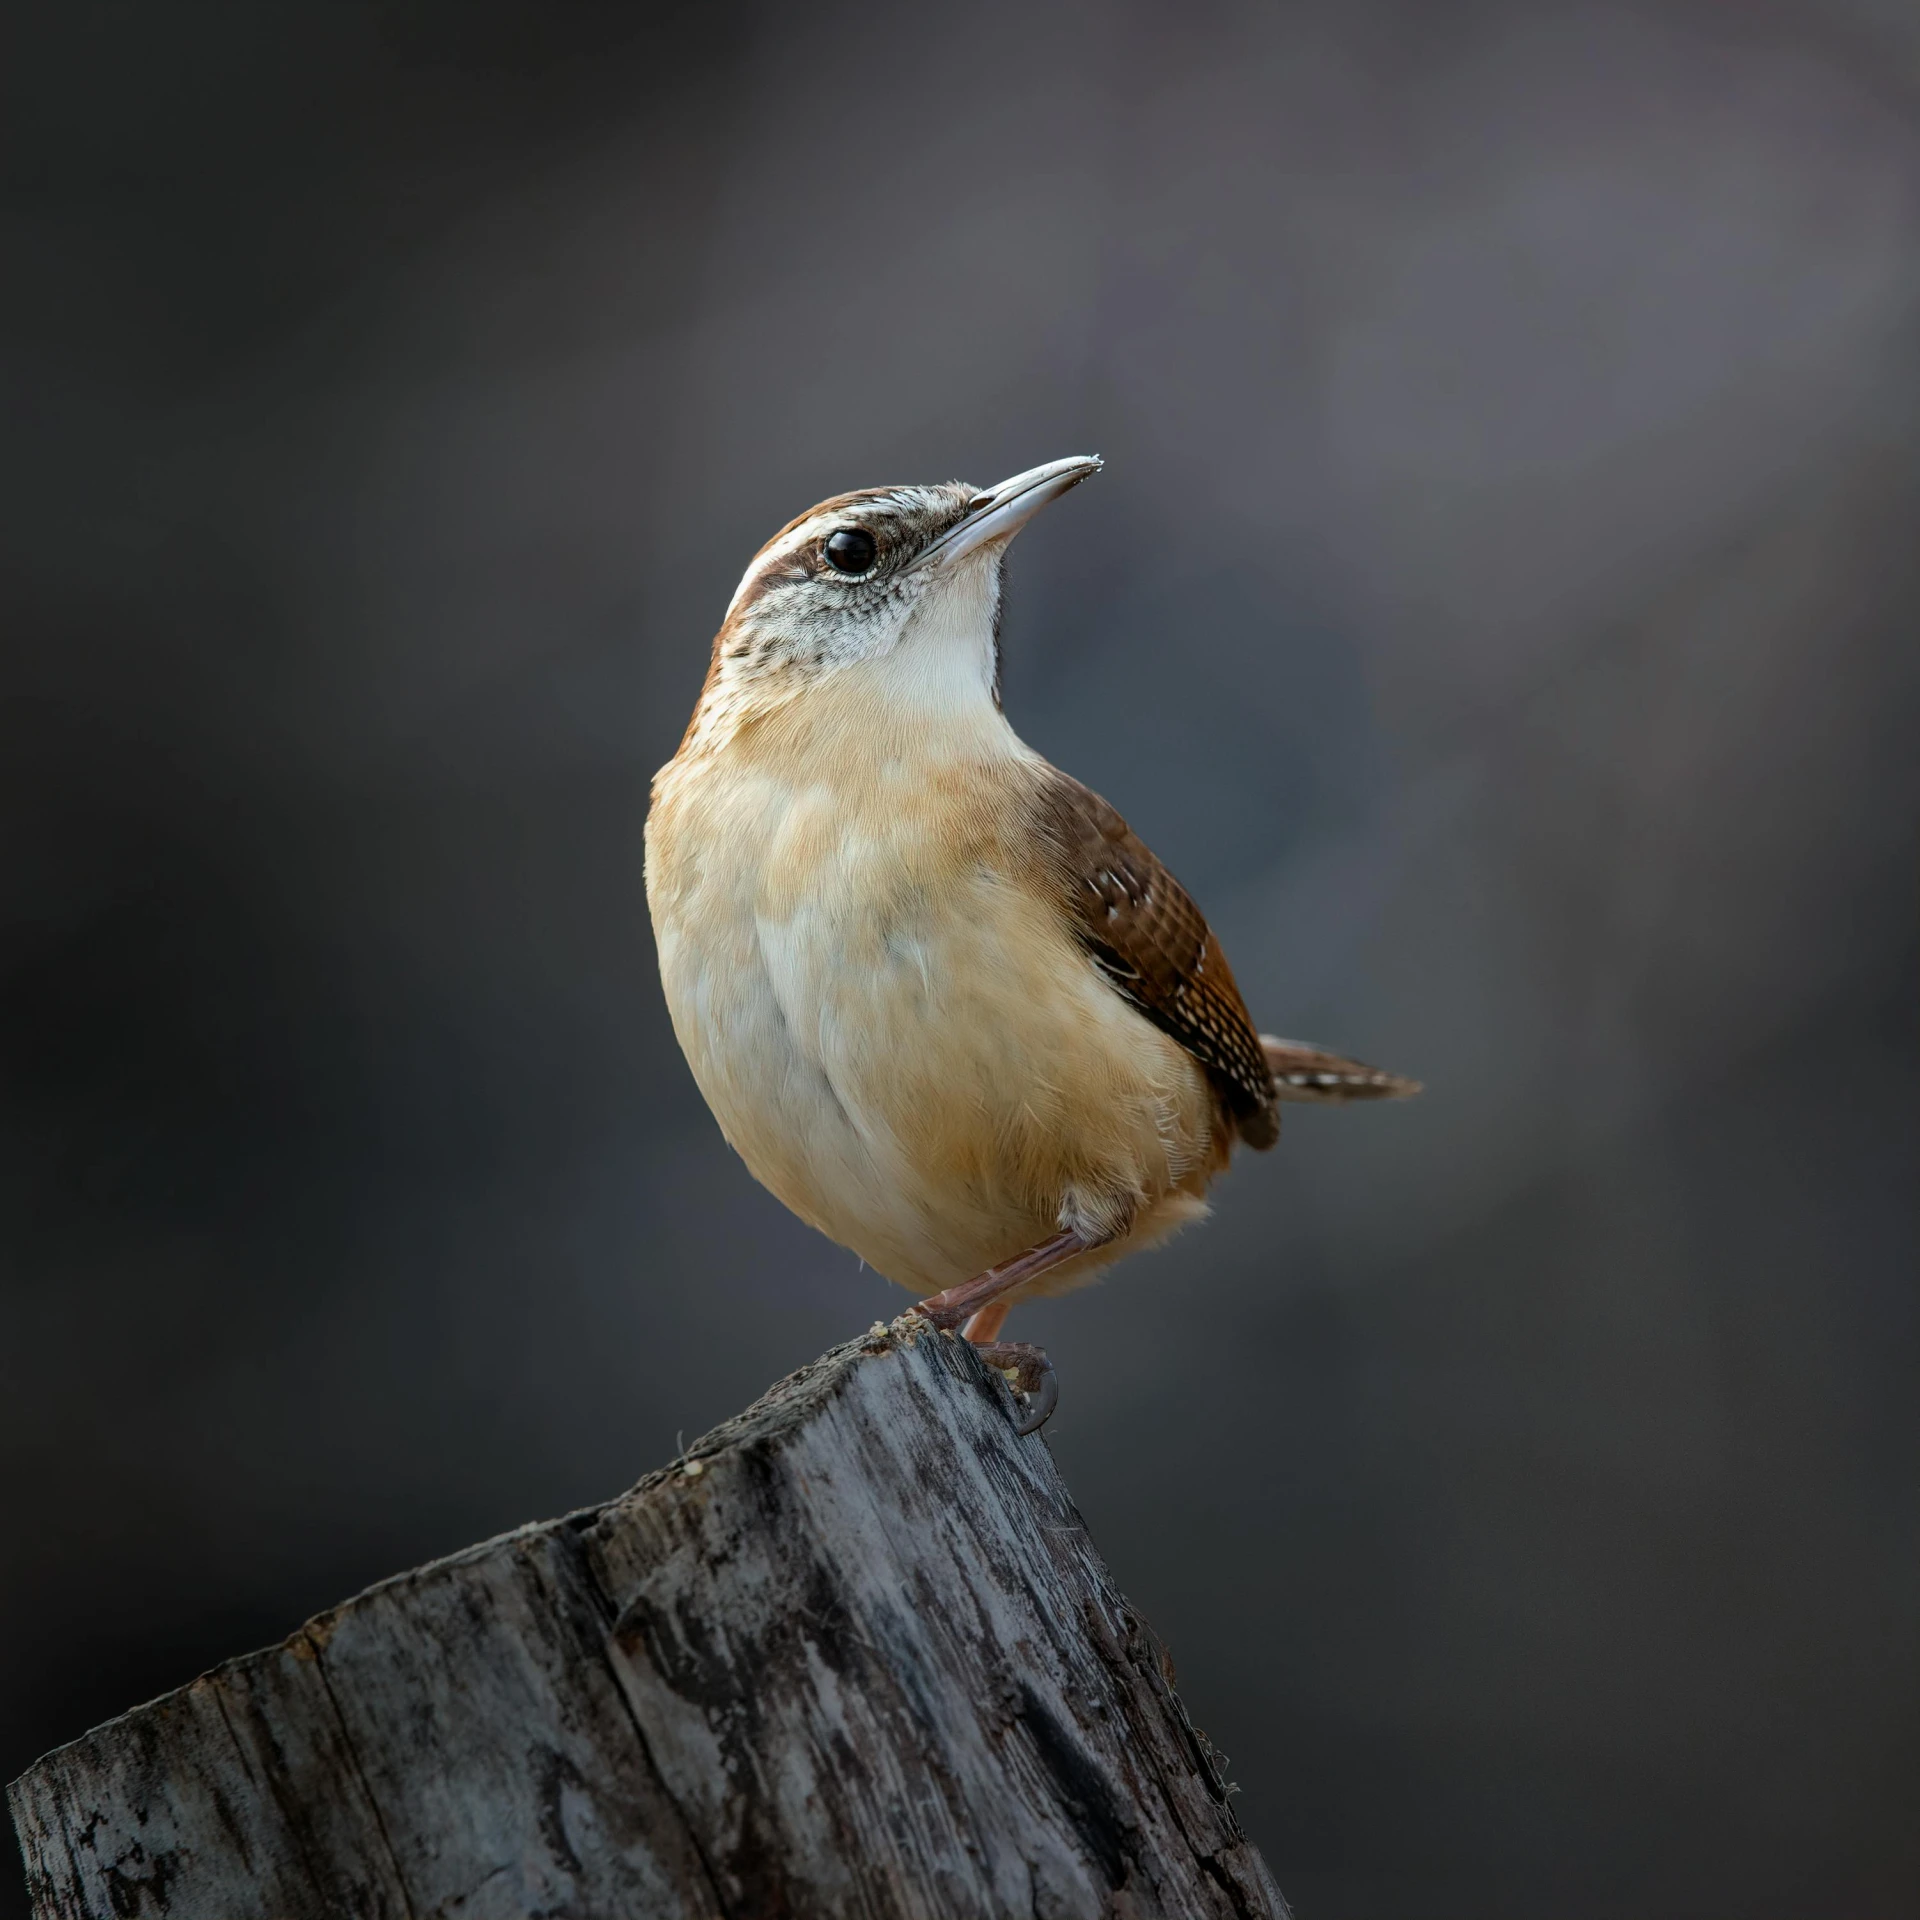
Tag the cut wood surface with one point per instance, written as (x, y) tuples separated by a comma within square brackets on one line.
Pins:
[(853, 1654)]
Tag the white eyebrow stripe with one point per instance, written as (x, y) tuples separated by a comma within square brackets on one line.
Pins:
[(771, 555)]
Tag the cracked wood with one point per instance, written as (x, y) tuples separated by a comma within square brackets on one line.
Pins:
[(852, 1655)]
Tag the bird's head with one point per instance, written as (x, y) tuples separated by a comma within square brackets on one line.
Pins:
[(903, 582)]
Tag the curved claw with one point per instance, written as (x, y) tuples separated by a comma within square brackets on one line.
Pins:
[(1033, 1377), (1046, 1397)]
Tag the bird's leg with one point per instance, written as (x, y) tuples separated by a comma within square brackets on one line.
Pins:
[(986, 1324), (981, 1303), (960, 1303)]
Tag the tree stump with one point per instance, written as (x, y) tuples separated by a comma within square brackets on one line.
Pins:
[(853, 1654)]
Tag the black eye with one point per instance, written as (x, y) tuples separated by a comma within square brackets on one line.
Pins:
[(851, 550)]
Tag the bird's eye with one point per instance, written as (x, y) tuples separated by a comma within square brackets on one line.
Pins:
[(851, 550)]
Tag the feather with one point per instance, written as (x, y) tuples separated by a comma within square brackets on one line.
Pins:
[(1305, 1072), (1141, 928)]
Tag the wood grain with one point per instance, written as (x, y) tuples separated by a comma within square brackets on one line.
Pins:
[(852, 1655)]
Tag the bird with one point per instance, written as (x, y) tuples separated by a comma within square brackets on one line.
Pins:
[(942, 1000)]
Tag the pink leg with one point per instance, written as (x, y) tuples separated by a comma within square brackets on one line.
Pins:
[(986, 1324), (962, 1302)]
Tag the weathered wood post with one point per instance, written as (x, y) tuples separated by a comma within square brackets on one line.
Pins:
[(852, 1654)]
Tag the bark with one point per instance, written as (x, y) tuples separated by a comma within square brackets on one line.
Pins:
[(852, 1655)]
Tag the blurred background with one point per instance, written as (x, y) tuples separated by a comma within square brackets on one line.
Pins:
[(1500, 609)]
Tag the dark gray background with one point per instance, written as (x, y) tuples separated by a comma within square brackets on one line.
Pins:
[(1500, 608)]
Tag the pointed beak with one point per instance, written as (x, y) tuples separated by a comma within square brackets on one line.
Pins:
[(1000, 512)]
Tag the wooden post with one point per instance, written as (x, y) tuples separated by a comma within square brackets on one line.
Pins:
[(852, 1655)]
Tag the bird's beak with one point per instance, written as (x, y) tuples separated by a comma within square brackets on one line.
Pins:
[(1000, 512)]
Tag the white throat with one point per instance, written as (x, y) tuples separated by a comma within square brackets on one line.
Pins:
[(943, 662)]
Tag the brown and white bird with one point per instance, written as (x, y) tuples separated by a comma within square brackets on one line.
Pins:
[(941, 999)]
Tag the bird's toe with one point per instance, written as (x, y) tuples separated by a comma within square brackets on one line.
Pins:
[(1030, 1373)]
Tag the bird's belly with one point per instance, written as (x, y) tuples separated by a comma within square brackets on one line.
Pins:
[(917, 1059)]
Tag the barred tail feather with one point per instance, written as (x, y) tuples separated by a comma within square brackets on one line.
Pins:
[(1312, 1074)]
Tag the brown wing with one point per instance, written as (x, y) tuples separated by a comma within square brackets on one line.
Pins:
[(1141, 928)]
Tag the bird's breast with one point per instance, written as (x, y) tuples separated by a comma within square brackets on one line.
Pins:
[(891, 1020)]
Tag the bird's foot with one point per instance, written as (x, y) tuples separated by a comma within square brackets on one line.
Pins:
[(979, 1304), (1030, 1373)]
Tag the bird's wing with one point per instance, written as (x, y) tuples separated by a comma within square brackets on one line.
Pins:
[(1302, 1071), (1141, 928)]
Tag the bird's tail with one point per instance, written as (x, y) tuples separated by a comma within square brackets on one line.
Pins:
[(1303, 1072)]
